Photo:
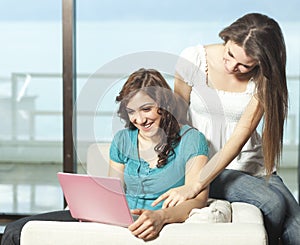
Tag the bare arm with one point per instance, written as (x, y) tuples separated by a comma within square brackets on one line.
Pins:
[(193, 167), (182, 89), (150, 222), (245, 127), (241, 134)]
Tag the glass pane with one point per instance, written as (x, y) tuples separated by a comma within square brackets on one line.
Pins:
[(30, 106), (107, 31)]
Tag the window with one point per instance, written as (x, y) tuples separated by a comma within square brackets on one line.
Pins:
[(108, 32), (30, 106)]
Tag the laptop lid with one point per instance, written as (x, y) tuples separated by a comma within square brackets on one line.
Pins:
[(97, 199)]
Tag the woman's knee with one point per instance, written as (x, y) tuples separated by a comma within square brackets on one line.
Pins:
[(273, 206), (12, 233)]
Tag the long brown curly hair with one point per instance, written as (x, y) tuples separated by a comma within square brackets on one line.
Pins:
[(152, 83)]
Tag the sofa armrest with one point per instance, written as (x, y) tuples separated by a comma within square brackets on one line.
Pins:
[(87, 233), (246, 213), (246, 221)]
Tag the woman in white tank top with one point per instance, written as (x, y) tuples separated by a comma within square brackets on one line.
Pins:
[(229, 88)]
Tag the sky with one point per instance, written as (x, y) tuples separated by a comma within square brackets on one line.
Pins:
[(211, 10)]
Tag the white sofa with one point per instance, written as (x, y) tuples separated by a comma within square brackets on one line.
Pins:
[(219, 223)]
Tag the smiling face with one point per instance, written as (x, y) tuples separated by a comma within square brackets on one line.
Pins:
[(142, 111), (236, 61)]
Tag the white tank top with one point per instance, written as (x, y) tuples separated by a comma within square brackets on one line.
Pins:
[(216, 113)]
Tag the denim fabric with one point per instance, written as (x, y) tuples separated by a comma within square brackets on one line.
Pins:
[(280, 209)]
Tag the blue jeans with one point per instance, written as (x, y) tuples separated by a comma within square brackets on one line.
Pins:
[(280, 209), (13, 230)]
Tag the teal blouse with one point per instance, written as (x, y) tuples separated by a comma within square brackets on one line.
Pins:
[(144, 184)]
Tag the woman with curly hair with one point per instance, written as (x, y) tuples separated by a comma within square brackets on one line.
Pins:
[(151, 155), (154, 152)]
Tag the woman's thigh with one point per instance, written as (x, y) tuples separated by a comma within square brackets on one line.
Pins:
[(236, 186), (292, 205)]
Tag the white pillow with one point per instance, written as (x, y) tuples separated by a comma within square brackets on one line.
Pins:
[(217, 211)]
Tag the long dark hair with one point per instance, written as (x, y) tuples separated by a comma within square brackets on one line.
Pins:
[(262, 39), (154, 85)]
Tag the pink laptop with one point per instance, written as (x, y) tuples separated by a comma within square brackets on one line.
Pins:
[(97, 199)]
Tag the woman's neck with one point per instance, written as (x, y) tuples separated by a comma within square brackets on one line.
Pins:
[(217, 77), (146, 149), (155, 139)]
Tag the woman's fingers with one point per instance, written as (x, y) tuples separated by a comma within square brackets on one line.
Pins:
[(169, 202), (172, 198), (147, 226), (160, 198)]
